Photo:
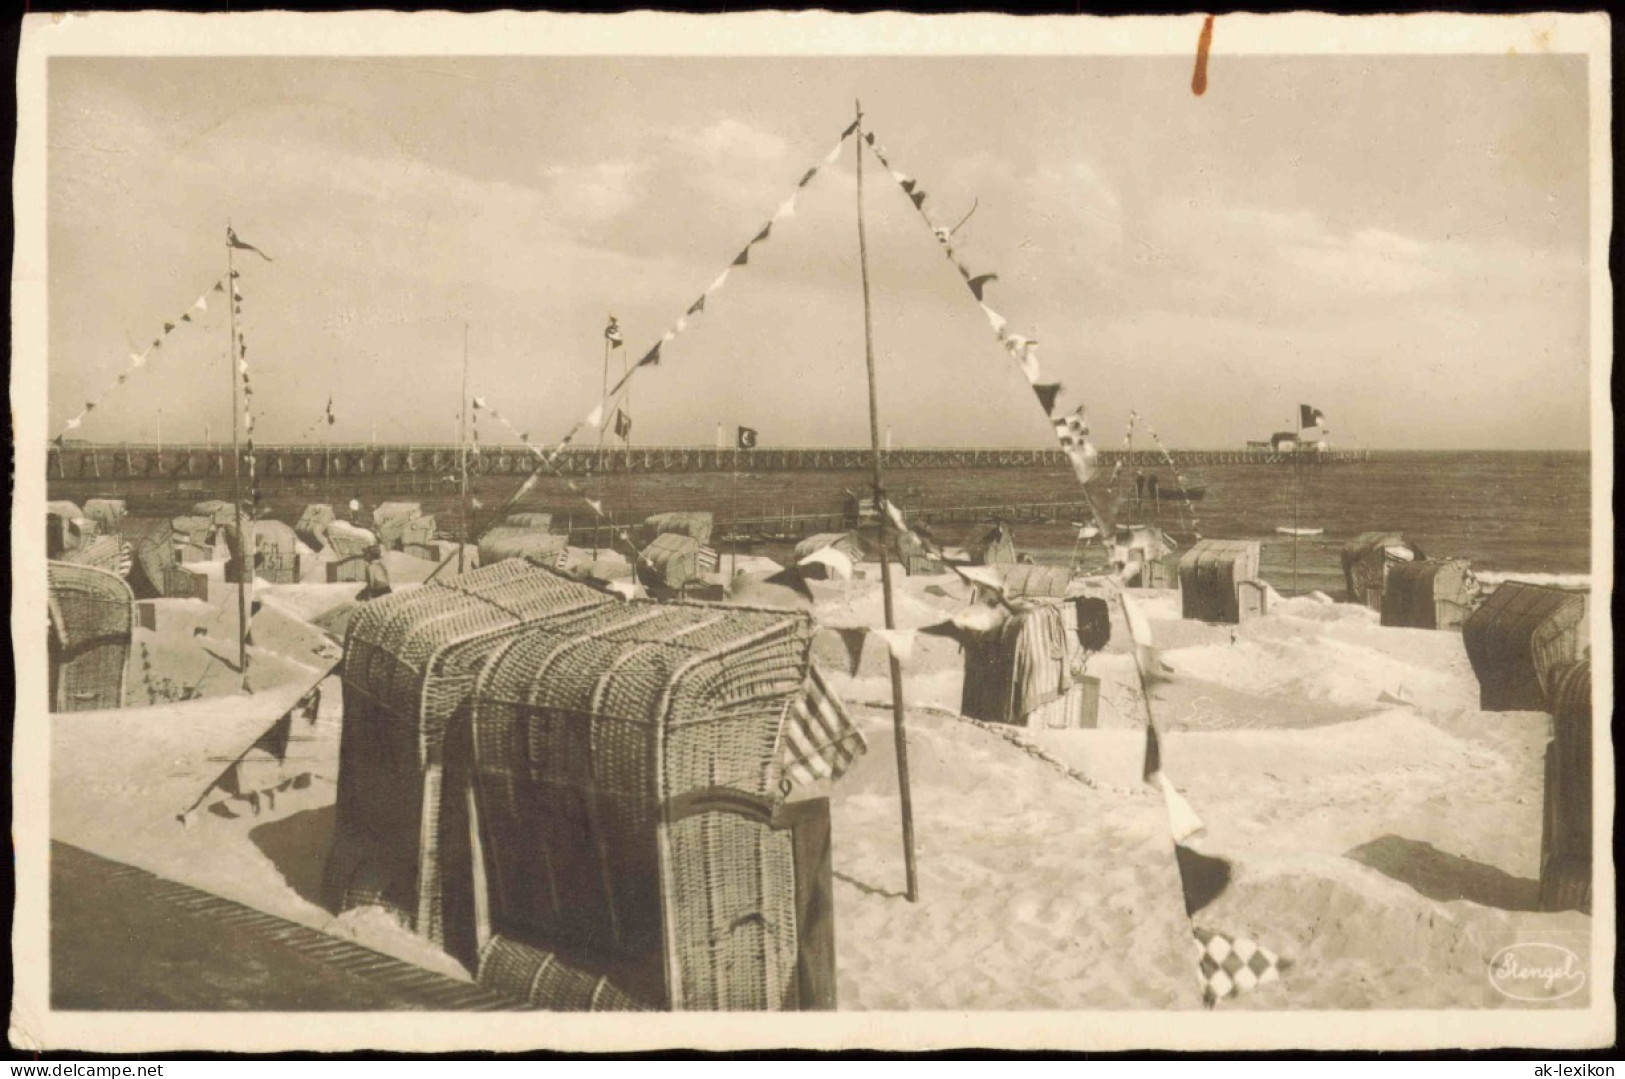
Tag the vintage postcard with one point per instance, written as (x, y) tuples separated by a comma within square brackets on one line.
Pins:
[(1072, 533)]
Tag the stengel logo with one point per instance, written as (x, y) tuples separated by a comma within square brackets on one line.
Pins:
[(1536, 971)]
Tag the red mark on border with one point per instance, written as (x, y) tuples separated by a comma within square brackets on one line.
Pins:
[(1199, 80)]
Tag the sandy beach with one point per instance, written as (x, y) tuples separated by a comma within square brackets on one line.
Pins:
[(1375, 828)]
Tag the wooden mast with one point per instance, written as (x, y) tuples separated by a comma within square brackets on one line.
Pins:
[(884, 521), (462, 446), (245, 554)]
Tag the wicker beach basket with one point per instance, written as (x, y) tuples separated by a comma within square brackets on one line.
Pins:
[(1516, 638), (1565, 846), (1436, 594), (1210, 579), (671, 561), (401, 836), (1366, 561), (91, 616), (534, 546), (312, 525), (627, 767)]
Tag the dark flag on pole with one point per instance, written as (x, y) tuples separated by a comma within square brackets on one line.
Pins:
[(1310, 417), (747, 438), (612, 333), (330, 419), (233, 241), (623, 425)]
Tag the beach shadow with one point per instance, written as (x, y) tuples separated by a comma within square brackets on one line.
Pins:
[(1444, 877), (870, 889), (297, 845)]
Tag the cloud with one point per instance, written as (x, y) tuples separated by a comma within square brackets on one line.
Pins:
[(597, 193), (736, 139)]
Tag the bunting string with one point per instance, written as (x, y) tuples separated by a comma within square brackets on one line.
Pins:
[(1072, 428), (138, 360), (547, 459)]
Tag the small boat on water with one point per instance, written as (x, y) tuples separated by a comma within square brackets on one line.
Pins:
[(1287, 530)]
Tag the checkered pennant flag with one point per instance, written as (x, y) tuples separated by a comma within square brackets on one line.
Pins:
[(1231, 966), (819, 740)]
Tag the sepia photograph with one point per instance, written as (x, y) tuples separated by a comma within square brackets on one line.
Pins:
[(1071, 533)]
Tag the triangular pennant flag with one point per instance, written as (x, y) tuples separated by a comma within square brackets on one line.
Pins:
[(807, 179), (994, 319), (168, 326), (138, 359), (697, 306), (853, 126), (73, 423), (219, 286), (979, 282), (743, 257), (918, 197), (868, 136), (186, 317), (597, 506), (1153, 755), (90, 406), (651, 358), (899, 641), (596, 416), (906, 182), (123, 378), (760, 236), (1183, 822), (787, 208), (1047, 392), (202, 302), (829, 158), (721, 280), (156, 343), (852, 639)]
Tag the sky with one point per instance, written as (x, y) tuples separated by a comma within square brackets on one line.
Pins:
[(1401, 242)]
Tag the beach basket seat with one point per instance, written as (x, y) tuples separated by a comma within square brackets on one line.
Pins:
[(1023, 580), (389, 521), (1433, 594), (695, 524), (1517, 637), (108, 513), (103, 552), (348, 544), (312, 525), (1145, 549), (1366, 561), (849, 544), (401, 837), (418, 532), (91, 613), (1565, 845), (534, 546), (1020, 668), (219, 511), (631, 770), (183, 582), (1211, 580), (154, 553), (670, 561), (539, 522), (991, 546)]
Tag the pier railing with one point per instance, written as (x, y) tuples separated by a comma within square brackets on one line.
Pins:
[(276, 463)]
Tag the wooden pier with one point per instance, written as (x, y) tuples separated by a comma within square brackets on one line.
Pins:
[(276, 465)]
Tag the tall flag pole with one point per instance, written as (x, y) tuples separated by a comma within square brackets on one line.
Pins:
[(612, 339), (898, 714), (245, 558), (1297, 455), (462, 443)]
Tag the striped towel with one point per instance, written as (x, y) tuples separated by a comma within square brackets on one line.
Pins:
[(706, 560), (819, 740)]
